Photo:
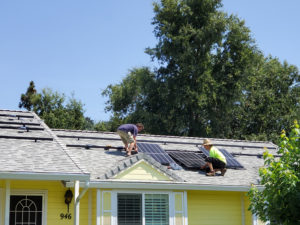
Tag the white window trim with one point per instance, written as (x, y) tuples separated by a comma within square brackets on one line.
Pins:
[(114, 203), (102, 206), (43, 193), (172, 209), (185, 208), (182, 206)]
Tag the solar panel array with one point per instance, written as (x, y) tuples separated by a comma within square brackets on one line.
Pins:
[(188, 159), (231, 162), (156, 152)]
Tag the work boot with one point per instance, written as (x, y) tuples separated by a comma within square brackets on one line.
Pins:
[(211, 173), (223, 171)]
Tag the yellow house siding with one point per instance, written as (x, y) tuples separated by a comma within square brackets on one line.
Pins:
[(55, 201), (214, 208), (248, 214), (142, 171), (84, 209), (204, 207), (94, 206), (1, 203)]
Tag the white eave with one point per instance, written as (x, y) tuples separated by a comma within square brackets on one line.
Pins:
[(44, 176), (165, 186)]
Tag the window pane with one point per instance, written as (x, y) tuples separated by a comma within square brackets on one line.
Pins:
[(24, 210), (14, 199), (129, 209), (157, 209), (38, 202)]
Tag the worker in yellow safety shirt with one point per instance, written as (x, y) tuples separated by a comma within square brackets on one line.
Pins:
[(216, 160)]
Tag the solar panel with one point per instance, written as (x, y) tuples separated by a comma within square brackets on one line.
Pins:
[(192, 160), (156, 152), (231, 161)]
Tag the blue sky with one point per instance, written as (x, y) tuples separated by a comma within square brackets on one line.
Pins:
[(80, 47)]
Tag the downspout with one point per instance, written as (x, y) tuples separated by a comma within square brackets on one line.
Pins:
[(77, 199)]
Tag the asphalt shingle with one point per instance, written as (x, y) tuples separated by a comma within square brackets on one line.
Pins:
[(35, 151), (100, 162), (68, 151)]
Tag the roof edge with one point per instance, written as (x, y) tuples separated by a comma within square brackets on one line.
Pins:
[(165, 186), (44, 176)]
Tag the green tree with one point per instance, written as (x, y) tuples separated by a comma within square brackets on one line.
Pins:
[(204, 56), (53, 108), (271, 100), (212, 80), (27, 99), (279, 201), (136, 99)]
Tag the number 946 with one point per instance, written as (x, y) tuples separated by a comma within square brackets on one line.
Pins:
[(66, 216)]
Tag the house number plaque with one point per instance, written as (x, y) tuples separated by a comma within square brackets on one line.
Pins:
[(65, 216)]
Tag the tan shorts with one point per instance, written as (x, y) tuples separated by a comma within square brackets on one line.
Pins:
[(127, 138)]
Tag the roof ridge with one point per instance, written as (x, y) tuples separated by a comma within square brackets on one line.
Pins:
[(57, 140), (130, 161), (166, 136)]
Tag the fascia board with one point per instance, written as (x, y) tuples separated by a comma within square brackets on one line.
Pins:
[(43, 176), (165, 186)]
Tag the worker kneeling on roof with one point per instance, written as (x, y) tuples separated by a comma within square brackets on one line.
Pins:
[(216, 160), (128, 133)]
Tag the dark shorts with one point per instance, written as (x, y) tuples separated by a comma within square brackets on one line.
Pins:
[(216, 163)]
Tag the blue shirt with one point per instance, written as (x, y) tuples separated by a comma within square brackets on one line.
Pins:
[(129, 128)]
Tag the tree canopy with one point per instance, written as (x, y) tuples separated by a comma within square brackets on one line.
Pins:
[(279, 202), (212, 80), (53, 109)]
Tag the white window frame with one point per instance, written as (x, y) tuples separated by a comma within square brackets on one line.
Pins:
[(114, 203), (43, 193)]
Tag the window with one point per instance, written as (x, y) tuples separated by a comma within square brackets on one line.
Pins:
[(132, 208), (26, 210), (156, 209)]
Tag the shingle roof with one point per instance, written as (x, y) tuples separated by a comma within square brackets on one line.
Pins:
[(34, 151), (42, 150), (100, 162)]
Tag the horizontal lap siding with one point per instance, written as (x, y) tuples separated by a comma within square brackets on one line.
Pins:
[(248, 214), (2, 187), (141, 171), (214, 208), (56, 202), (94, 206)]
